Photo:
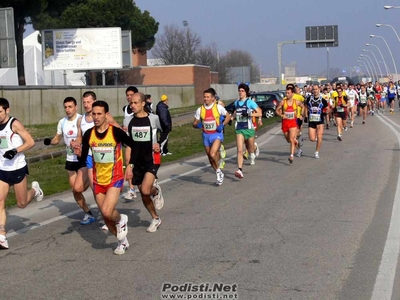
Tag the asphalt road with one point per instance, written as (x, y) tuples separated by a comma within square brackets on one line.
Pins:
[(316, 229)]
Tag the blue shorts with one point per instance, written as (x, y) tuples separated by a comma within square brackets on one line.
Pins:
[(89, 162), (209, 138)]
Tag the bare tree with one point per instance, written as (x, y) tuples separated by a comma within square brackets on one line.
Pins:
[(177, 46), (237, 58), (208, 56)]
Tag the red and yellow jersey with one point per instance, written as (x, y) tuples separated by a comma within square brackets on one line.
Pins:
[(107, 158), (210, 118)]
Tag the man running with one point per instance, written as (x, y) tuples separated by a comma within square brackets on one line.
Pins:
[(339, 105), (145, 158), (245, 109), (315, 104), (14, 140), (363, 103), (105, 142), (287, 110), (208, 118), (67, 128)]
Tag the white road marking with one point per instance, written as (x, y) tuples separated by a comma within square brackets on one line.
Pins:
[(383, 288)]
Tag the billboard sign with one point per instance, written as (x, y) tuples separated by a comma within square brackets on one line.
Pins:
[(82, 49), (7, 38), (315, 36)]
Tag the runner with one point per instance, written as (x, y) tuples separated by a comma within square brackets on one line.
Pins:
[(245, 109), (352, 97), (145, 158), (339, 106), (208, 117), (363, 103), (14, 140), (391, 95), (105, 141), (287, 110), (67, 128), (315, 104)]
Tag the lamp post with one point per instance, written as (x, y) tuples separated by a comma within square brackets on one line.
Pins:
[(370, 67), (390, 7), (379, 67), (383, 59), (390, 51), (369, 74), (372, 64), (388, 25)]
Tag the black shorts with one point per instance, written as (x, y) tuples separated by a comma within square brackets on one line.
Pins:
[(140, 171), (315, 124), (362, 105), (390, 100), (73, 166), (14, 177), (341, 115)]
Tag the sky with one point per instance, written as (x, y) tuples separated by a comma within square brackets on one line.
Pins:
[(257, 26)]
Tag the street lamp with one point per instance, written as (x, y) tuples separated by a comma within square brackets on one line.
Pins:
[(372, 63), (383, 59), (369, 74), (370, 66), (390, 6), (388, 25), (390, 51), (376, 60)]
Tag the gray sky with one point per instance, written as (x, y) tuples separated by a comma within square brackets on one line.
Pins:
[(258, 25)]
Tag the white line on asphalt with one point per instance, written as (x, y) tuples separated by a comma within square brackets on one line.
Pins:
[(23, 230), (384, 282)]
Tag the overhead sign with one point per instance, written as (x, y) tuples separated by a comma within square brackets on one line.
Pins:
[(315, 36), (126, 49), (82, 49), (7, 38)]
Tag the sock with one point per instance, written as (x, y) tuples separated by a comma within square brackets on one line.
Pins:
[(240, 169), (218, 170), (89, 212), (132, 189)]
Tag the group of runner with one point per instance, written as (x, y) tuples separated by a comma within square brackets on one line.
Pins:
[(94, 158)]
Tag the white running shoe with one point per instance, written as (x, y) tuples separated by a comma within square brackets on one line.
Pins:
[(155, 223), (130, 195), (220, 178), (316, 155), (299, 153), (122, 227), (222, 151), (252, 159), (3, 243), (257, 152), (158, 199), (239, 174), (38, 191), (104, 227), (122, 247)]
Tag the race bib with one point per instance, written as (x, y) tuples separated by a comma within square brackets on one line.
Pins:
[(240, 118), (103, 155), (289, 115), (210, 125), (315, 117), (3, 142), (340, 109), (69, 150), (141, 134), (363, 99)]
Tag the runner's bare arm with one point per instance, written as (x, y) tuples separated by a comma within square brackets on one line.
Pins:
[(18, 128)]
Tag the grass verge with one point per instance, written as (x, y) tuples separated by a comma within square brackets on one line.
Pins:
[(184, 141)]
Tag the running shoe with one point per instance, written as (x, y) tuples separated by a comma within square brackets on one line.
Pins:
[(339, 137), (246, 154), (239, 174), (87, 219), (221, 163), (220, 178), (122, 227), (122, 247), (104, 227), (291, 159), (165, 154), (158, 199), (345, 129), (252, 159), (316, 154), (130, 195), (299, 153), (222, 151), (363, 122), (155, 223), (3, 243), (38, 191), (257, 152)]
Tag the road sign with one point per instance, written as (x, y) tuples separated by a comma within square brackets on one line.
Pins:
[(315, 36), (7, 38)]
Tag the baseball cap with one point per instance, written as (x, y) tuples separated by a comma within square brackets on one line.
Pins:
[(164, 98)]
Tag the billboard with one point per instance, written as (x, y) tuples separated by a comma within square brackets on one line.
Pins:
[(7, 38), (82, 49), (320, 34)]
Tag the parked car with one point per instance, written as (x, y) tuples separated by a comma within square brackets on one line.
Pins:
[(267, 101)]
